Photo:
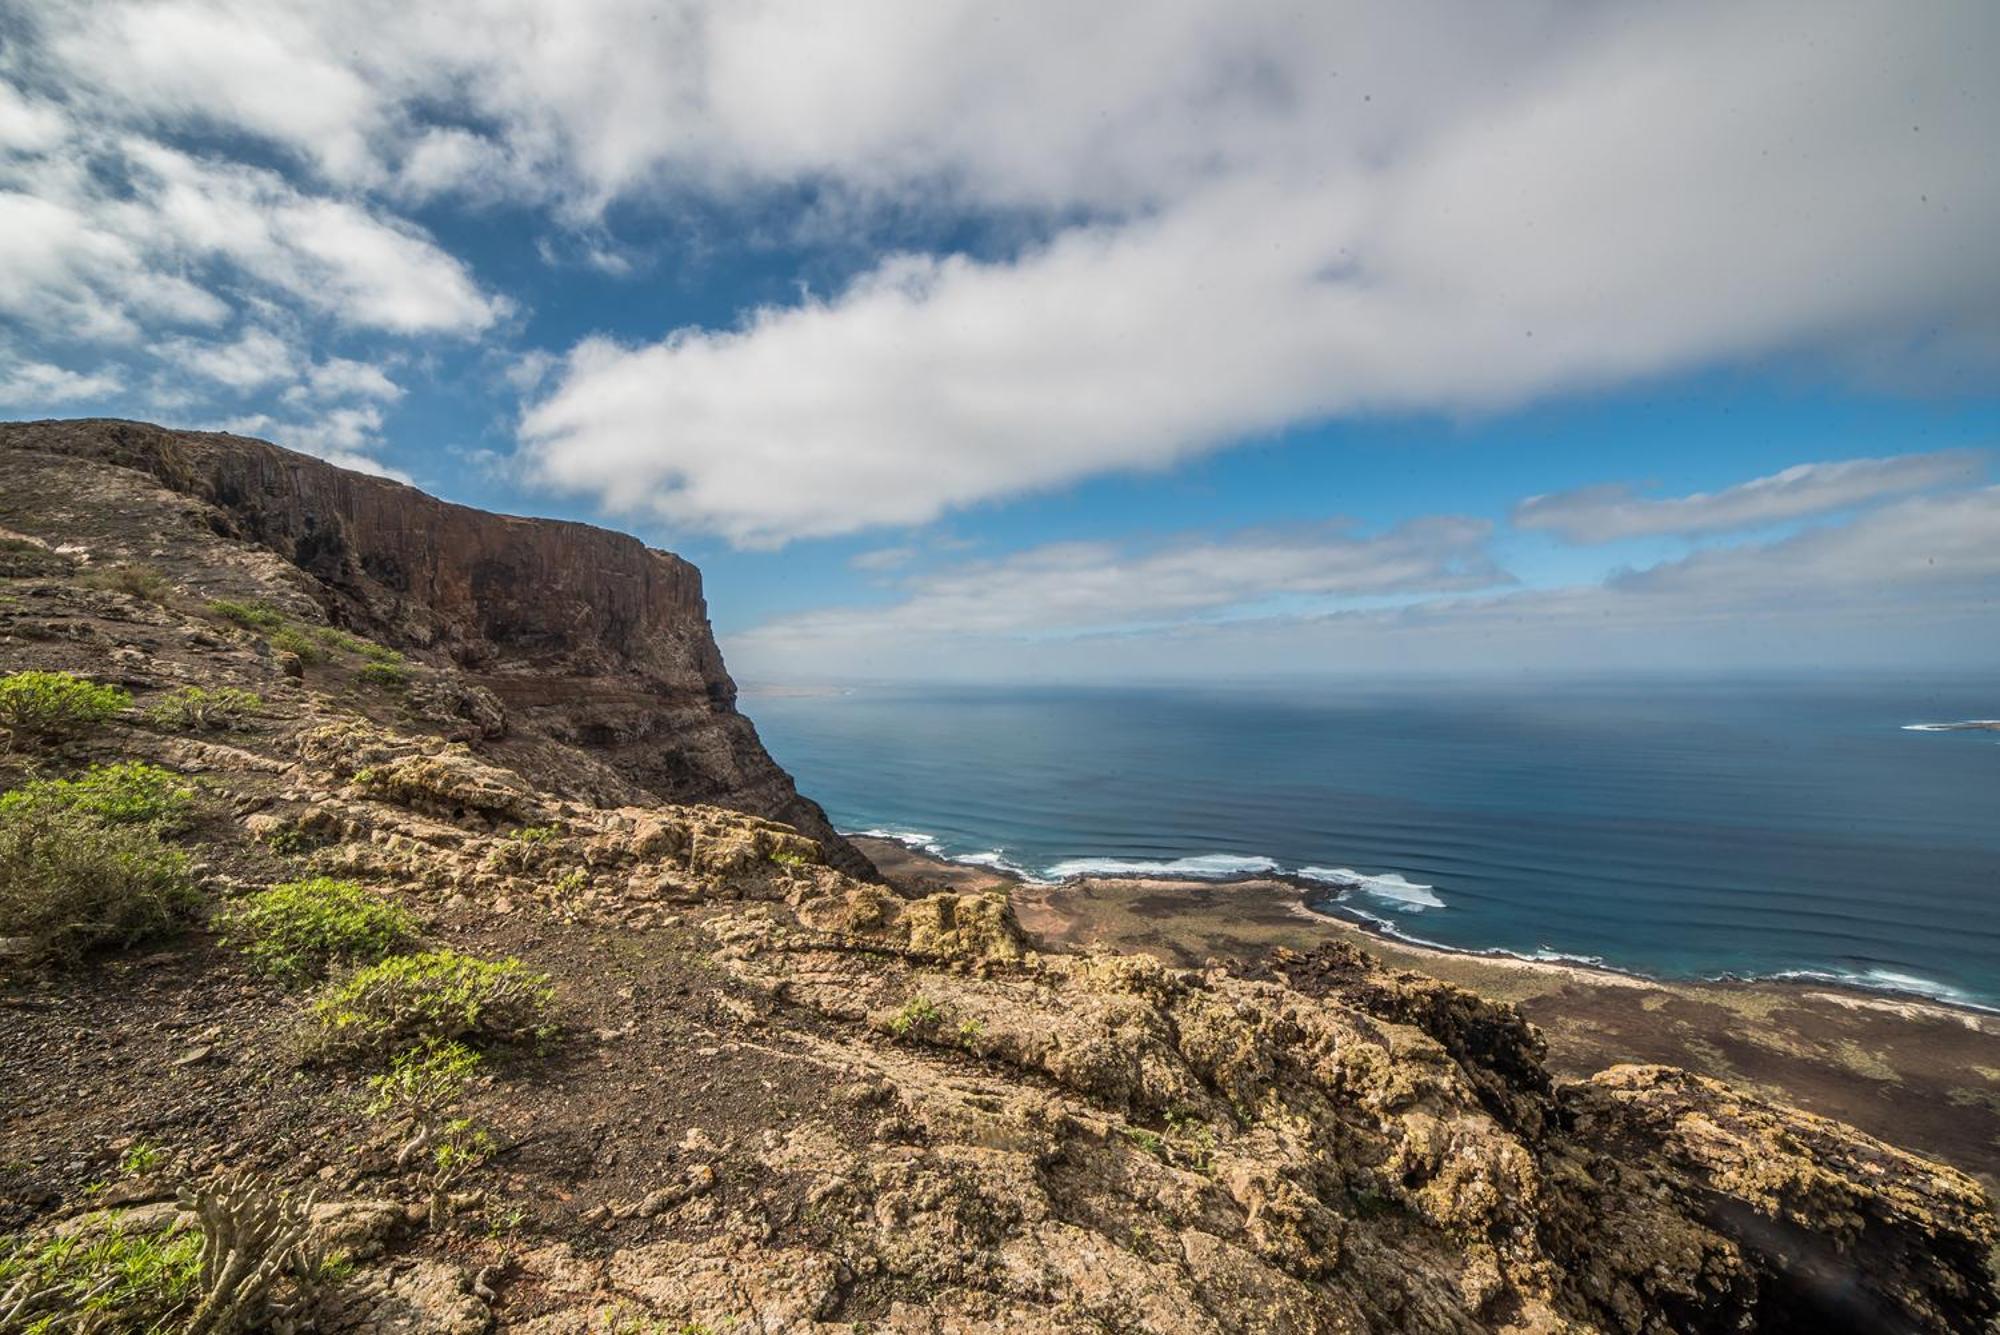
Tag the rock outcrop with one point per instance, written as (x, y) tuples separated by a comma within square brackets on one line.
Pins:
[(585, 638)]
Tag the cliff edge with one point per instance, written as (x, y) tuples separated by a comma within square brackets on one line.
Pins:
[(586, 638)]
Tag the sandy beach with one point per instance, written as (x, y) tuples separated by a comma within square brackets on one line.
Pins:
[(1916, 1072)]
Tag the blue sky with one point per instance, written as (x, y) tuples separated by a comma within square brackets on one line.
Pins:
[(1167, 339)]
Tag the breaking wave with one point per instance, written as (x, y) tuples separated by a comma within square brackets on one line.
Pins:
[(1388, 887)]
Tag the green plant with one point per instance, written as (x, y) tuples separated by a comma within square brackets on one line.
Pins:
[(376, 672), (141, 581), (918, 1014), (1191, 1139), (100, 1281), (54, 705), (535, 834), (205, 709), (421, 1090), (296, 930), (250, 616), (70, 883), (970, 1032), (142, 1158), (786, 858), (290, 640), (437, 995), (1149, 1141), (130, 792)]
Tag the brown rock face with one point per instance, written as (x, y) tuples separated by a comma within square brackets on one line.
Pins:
[(589, 638)]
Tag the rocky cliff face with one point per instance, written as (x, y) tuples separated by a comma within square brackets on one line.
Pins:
[(586, 638)]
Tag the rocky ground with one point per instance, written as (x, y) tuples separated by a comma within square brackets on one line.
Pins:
[(777, 1098), (1922, 1074)]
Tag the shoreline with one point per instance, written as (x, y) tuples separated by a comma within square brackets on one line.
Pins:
[(1384, 935), (1911, 1071)]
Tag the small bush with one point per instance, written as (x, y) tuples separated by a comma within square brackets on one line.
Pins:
[(291, 640), (919, 1015), (297, 930), (54, 705), (140, 581), (250, 616), (142, 1158), (421, 1092), (348, 642), (199, 709), (130, 792), (70, 883), (105, 1279), (435, 996), (379, 672)]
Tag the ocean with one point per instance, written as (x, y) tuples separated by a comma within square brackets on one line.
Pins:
[(1675, 828)]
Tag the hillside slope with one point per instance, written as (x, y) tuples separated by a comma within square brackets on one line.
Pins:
[(588, 640), (759, 1094)]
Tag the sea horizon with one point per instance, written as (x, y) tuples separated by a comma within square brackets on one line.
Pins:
[(1686, 826)]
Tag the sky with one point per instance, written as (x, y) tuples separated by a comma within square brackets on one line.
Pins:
[(1126, 341)]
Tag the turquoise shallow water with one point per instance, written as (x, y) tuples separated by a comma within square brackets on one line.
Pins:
[(1676, 828)]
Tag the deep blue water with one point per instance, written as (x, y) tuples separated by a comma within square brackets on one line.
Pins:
[(1676, 828)]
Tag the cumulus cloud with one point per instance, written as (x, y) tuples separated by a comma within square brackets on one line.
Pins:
[(1239, 217), (343, 377), (32, 384), (1928, 566), (105, 235), (256, 359), (1614, 511), (1567, 220), (344, 436)]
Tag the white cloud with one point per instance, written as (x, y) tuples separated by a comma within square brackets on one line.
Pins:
[(256, 359), (1250, 214), (104, 236), (1916, 580), (29, 384), (343, 378), (1615, 511), (1590, 220), (883, 558), (1091, 587), (344, 436)]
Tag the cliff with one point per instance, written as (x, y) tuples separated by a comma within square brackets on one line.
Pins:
[(586, 638), (314, 955)]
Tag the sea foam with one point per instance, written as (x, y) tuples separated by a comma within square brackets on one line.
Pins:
[(907, 838), (1389, 887), (1883, 980), (1202, 867)]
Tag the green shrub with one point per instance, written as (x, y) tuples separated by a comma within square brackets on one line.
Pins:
[(379, 672), (296, 930), (250, 616), (141, 581), (421, 1093), (105, 1279), (291, 640), (70, 883), (919, 1015), (130, 792), (201, 709), (436, 996), (348, 642), (55, 705)]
